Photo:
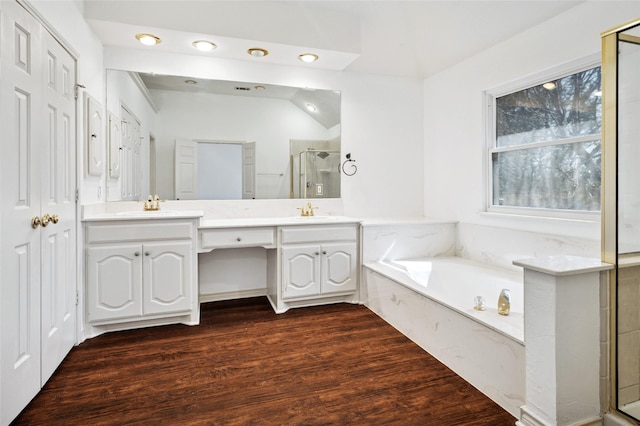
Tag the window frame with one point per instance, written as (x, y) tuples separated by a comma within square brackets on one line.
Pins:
[(489, 99)]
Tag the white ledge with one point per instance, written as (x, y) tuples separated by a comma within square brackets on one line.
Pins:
[(563, 265)]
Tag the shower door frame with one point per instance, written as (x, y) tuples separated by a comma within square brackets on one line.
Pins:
[(609, 208)]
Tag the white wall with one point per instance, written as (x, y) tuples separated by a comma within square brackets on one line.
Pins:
[(381, 122), (454, 112)]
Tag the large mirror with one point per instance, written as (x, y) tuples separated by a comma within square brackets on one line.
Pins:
[(191, 138)]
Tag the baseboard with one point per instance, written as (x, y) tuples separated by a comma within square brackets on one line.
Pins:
[(230, 295), (528, 418)]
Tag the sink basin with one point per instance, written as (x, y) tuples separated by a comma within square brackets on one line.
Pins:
[(312, 218), (150, 213)]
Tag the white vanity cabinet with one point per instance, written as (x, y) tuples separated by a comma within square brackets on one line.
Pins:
[(316, 265), (141, 270)]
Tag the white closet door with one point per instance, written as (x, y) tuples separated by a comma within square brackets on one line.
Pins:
[(37, 181), (58, 179), (20, 111)]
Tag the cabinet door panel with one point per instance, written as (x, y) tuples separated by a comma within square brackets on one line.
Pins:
[(114, 274), (300, 271), (167, 277), (339, 268)]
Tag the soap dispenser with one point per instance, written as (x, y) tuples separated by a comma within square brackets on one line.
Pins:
[(504, 302)]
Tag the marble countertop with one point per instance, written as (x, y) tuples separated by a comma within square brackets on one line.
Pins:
[(563, 265), (143, 215), (276, 221)]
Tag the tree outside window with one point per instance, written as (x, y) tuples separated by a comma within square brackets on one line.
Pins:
[(546, 151)]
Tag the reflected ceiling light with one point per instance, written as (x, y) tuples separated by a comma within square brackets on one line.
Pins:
[(597, 93), (204, 45), (311, 107), (257, 52), (148, 39), (549, 86), (308, 57)]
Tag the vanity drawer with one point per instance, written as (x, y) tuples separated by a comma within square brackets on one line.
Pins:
[(237, 237), (318, 234)]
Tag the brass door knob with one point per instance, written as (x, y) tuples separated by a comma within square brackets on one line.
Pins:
[(44, 221), (35, 222), (54, 218)]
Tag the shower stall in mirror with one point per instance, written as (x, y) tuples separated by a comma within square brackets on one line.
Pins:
[(621, 208), (315, 174)]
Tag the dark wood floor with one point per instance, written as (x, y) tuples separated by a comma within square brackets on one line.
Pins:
[(331, 365)]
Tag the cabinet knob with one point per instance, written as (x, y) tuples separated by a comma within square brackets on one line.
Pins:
[(54, 218), (146, 253), (317, 253), (136, 253), (324, 252), (238, 239), (45, 219)]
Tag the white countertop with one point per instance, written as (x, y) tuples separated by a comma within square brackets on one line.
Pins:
[(144, 215), (563, 265), (276, 221)]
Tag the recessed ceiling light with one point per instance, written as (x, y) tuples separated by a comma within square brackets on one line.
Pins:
[(191, 82), (258, 52), (260, 88), (311, 107), (308, 57), (148, 39), (204, 45), (549, 86)]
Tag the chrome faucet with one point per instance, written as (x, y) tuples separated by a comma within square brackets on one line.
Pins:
[(307, 210), (152, 203)]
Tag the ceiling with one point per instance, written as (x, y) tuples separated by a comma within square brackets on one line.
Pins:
[(399, 38)]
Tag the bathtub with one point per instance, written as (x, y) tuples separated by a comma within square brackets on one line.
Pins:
[(455, 282), (431, 301)]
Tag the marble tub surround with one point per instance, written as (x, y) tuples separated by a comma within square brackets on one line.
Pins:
[(563, 346), (407, 238), (500, 246), (454, 282), (489, 360)]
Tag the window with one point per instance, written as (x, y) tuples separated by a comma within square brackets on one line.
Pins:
[(545, 149)]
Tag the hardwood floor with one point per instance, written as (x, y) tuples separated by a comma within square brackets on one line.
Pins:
[(330, 365)]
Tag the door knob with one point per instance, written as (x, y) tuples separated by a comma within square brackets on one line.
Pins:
[(44, 221), (54, 218), (35, 222)]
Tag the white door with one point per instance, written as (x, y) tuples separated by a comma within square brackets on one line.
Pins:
[(249, 170), (20, 96), (58, 183), (130, 160), (186, 170), (37, 291)]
